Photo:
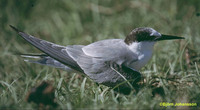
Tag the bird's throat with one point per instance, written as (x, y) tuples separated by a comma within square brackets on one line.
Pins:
[(144, 51)]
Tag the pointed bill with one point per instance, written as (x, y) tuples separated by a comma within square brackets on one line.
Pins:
[(167, 37)]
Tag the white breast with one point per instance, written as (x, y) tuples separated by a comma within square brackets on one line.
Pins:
[(144, 52)]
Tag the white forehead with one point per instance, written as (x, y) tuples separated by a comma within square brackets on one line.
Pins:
[(154, 33)]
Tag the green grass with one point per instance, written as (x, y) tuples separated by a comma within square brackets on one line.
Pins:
[(175, 64)]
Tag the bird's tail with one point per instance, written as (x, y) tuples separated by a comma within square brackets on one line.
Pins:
[(44, 59), (56, 53)]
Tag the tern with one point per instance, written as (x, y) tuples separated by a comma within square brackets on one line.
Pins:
[(112, 62)]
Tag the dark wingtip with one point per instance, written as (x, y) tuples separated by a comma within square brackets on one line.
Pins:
[(14, 28)]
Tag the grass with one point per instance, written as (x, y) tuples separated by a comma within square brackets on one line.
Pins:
[(174, 66)]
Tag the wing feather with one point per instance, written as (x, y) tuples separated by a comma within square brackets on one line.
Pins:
[(53, 50), (105, 69)]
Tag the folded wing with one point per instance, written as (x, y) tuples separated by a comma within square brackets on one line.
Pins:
[(53, 50), (105, 63)]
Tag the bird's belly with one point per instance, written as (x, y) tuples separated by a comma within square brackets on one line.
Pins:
[(142, 61)]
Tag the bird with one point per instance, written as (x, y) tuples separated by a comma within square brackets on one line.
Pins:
[(112, 62)]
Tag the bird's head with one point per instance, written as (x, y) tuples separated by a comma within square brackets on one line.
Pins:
[(147, 34)]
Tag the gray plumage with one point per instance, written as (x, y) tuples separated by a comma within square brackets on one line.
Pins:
[(91, 60), (112, 62), (44, 59)]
